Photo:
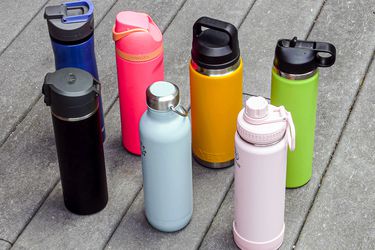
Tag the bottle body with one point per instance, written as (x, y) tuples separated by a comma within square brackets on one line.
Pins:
[(215, 103), (133, 80), (167, 169), (259, 186), (300, 98), (82, 56), (81, 161)]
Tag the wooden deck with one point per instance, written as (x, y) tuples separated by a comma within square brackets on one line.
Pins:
[(335, 210)]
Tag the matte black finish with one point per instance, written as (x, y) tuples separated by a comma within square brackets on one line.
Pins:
[(217, 46), (81, 161), (300, 57), (71, 92), (68, 33)]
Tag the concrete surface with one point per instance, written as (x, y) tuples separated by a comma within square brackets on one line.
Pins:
[(340, 194), (4, 245)]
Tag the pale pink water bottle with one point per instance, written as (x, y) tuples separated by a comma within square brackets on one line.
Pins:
[(139, 58), (263, 134)]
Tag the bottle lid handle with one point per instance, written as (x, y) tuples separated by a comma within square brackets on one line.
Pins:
[(218, 25), (79, 18), (325, 48), (317, 47)]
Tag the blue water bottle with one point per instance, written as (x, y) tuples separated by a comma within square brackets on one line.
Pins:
[(71, 28), (165, 135)]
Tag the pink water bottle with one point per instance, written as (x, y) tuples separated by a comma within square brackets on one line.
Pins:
[(263, 134), (139, 58)]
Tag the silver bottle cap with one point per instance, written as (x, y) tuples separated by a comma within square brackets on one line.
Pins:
[(164, 96)]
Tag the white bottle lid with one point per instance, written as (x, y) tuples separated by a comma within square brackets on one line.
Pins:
[(262, 124)]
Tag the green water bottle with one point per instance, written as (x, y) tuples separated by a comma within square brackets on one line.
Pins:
[(295, 78)]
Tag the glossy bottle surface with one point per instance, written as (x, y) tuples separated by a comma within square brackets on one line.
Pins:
[(137, 68)]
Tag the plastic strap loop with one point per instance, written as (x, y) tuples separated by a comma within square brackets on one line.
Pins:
[(79, 18)]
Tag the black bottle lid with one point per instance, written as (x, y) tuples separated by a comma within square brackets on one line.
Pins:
[(300, 57), (216, 47), (71, 21), (71, 92)]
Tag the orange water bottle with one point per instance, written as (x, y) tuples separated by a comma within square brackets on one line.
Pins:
[(215, 90)]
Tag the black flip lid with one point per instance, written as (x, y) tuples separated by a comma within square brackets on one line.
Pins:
[(71, 21), (71, 92), (300, 57), (216, 47)]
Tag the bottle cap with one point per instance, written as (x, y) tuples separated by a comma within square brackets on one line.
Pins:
[(215, 47), (263, 124), (71, 21), (300, 57), (71, 92), (132, 29), (164, 96)]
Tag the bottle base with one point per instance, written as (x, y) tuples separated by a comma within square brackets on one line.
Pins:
[(79, 210), (133, 152), (215, 165), (244, 244), (170, 226), (289, 186)]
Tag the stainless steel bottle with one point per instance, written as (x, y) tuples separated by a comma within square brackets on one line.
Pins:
[(264, 133), (215, 91), (166, 159), (73, 95), (295, 80)]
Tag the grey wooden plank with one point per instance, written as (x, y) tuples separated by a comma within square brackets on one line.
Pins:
[(268, 22), (353, 35), (343, 214), (54, 227), (4, 245), (220, 235), (177, 47), (134, 231), (15, 15), (178, 37), (39, 181), (23, 66)]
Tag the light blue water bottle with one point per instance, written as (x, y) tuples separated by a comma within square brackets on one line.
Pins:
[(165, 135)]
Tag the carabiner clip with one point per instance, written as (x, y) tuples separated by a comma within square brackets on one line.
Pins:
[(182, 112)]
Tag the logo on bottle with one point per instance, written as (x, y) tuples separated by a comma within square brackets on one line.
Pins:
[(143, 150)]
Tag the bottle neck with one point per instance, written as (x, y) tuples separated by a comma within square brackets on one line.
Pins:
[(215, 72), (160, 114), (295, 76)]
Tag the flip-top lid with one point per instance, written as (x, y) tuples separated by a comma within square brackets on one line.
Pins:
[(71, 21), (71, 92), (299, 57)]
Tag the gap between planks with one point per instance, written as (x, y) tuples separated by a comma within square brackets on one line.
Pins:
[(49, 191), (336, 145)]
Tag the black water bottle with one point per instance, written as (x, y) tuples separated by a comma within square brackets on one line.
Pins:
[(73, 95)]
